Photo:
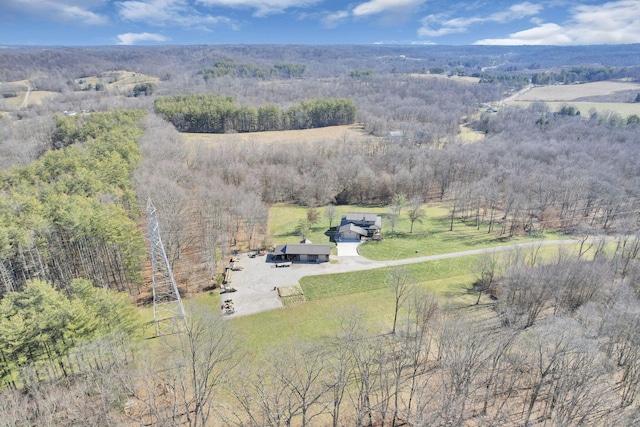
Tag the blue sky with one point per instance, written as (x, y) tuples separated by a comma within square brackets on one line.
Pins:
[(145, 22)]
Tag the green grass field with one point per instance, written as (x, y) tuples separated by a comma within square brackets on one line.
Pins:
[(283, 220)]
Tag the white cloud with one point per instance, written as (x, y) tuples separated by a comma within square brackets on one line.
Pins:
[(374, 7), (613, 22), (152, 10), (438, 25), (448, 27), (165, 12), (545, 34), (82, 11), (405, 42), (133, 38), (262, 7), (609, 23), (332, 19)]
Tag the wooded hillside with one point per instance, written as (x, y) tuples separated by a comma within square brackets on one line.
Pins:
[(72, 213)]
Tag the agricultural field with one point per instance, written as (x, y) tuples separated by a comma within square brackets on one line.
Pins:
[(460, 79), (324, 134), (115, 80), (598, 96)]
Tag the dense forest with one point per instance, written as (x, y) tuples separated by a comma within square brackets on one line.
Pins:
[(551, 340), (217, 114)]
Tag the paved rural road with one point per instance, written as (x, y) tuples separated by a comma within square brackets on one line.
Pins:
[(257, 281)]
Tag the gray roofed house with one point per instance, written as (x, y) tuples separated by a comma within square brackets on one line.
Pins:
[(358, 225), (360, 218), (351, 231), (308, 252)]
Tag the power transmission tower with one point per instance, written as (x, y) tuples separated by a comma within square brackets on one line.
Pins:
[(168, 312), (6, 278)]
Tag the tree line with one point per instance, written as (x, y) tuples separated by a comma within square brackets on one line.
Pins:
[(227, 67), (72, 212), (581, 75), (41, 326), (220, 114)]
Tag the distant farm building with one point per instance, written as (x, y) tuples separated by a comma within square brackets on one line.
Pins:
[(357, 226), (308, 252)]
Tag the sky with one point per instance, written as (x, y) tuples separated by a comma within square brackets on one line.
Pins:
[(416, 22)]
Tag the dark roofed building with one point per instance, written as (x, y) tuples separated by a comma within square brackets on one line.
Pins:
[(359, 225), (361, 219), (308, 252)]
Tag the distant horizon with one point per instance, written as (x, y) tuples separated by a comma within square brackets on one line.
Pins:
[(68, 23), (170, 45)]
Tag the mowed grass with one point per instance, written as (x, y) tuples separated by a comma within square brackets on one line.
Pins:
[(320, 318), (341, 284), (283, 220), (431, 237)]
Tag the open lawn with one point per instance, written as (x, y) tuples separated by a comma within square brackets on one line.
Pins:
[(321, 317), (431, 237), (340, 284), (283, 220)]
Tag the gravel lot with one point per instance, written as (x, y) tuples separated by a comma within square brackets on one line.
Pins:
[(256, 281)]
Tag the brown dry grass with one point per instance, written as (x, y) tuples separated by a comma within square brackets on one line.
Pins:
[(461, 79), (37, 96), (326, 134), (623, 108), (573, 92)]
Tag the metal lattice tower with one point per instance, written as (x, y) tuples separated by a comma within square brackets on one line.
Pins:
[(6, 278), (168, 312)]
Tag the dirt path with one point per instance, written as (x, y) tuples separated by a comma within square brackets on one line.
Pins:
[(256, 283), (25, 101)]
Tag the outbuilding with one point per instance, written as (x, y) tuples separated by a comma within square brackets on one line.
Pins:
[(309, 252)]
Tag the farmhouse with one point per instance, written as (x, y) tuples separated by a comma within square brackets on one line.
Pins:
[(358, 225), (308, 252)]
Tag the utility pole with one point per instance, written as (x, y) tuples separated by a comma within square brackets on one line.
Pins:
[(168, 312)]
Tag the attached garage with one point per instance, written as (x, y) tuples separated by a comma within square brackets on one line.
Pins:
[(352, 232)]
